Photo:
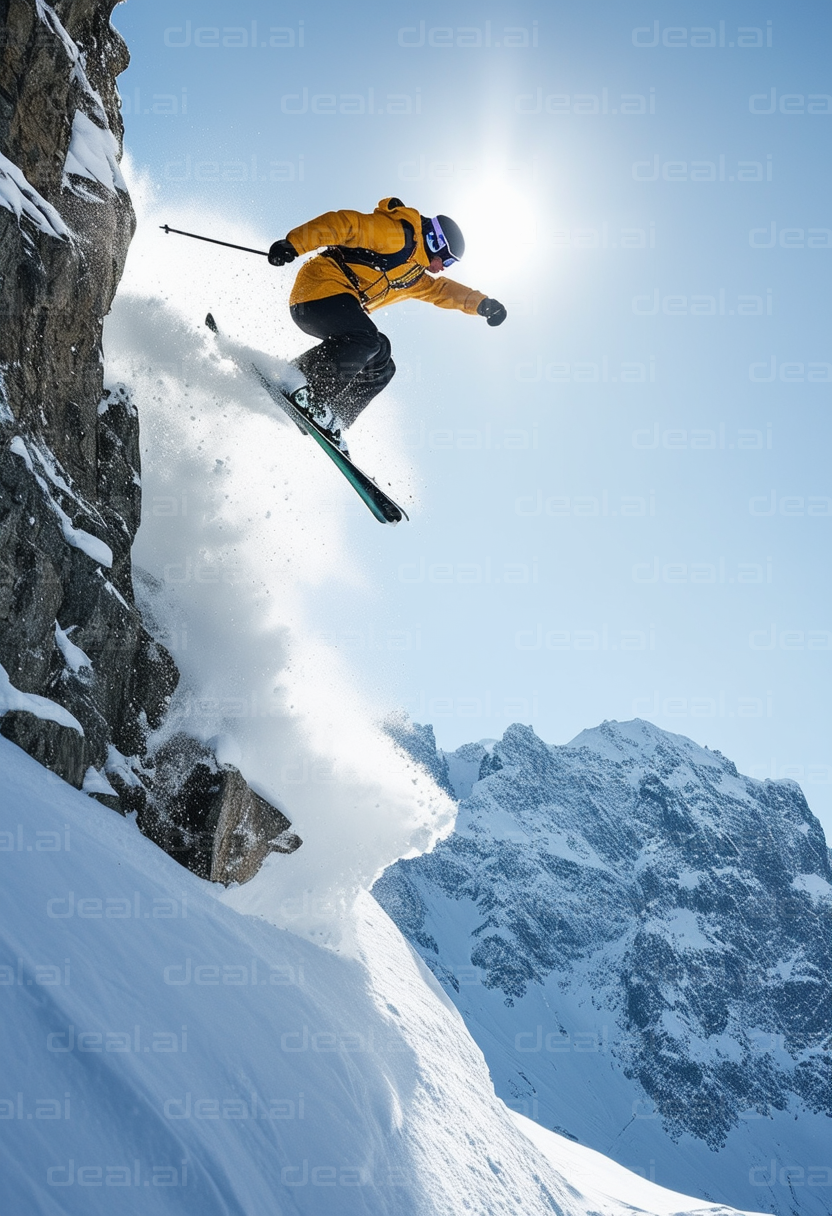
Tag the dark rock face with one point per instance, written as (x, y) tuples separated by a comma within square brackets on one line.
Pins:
[(70, 484), (59, 748), (640, 939), (205, 815), (58, 71), (69, 463)]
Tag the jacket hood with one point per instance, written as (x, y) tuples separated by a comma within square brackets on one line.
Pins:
[(394, 204), (395, 207)]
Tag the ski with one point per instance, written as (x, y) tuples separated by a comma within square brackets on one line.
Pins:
[(382, 506)]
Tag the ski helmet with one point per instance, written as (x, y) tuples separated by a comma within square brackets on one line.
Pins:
[(443, 239)]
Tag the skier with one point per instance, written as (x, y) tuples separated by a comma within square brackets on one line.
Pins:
[(365, 263)]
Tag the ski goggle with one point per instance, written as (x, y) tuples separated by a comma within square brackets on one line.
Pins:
[(438, 245)]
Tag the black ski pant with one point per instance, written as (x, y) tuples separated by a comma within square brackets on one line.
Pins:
[(352, 364)]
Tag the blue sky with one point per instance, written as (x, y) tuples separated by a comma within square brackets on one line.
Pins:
[(625, 501)]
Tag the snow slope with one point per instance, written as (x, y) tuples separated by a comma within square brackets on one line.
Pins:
[(610, 1189), (154, 1038)]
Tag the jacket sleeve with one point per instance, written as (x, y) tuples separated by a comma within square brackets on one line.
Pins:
[(447, 293), (351, 228)]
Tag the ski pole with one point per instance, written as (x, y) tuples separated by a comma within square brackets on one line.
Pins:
[(263, 252)]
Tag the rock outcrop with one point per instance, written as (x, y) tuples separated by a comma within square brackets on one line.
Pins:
[(83, 683), (209, 819)]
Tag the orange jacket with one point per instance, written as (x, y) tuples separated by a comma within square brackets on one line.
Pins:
[(387, 231)]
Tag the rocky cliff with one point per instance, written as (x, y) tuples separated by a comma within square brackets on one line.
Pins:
[(639, 939), (83, 684)]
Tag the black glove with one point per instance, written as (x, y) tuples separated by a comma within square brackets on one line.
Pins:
[(282, 252), (493, 311)]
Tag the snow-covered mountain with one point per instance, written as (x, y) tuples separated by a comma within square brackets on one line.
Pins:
[(638, 937), (164, 1053)]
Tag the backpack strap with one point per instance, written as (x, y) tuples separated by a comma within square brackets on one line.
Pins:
[(346, 257), (382, 261), (336, 254)]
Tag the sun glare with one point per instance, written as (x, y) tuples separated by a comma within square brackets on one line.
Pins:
[(501, 217)]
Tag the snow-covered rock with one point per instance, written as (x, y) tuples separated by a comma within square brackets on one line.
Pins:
[(639, 939), (70, 484), (69, 505)]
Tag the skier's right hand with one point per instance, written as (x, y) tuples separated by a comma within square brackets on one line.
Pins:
[(282, 252), (493, 311)]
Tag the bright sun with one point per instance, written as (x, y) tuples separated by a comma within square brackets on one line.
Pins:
[(500, 218)]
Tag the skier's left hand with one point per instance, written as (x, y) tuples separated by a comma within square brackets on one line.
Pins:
[(282, 252), (493, 311)]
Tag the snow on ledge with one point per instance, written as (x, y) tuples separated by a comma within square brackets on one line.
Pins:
[(19, 196), (50, 19), (74, 657), (93, 149), (93, 153), (121, 767), (12, 698), (96, 783), (77, 537)]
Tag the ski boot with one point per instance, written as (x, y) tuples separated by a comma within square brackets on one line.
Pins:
[(322, 415)]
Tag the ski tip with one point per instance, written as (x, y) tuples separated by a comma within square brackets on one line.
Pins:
[(165, 228), (211, 323)]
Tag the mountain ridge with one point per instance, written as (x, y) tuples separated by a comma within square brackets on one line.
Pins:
[(629, 915)]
